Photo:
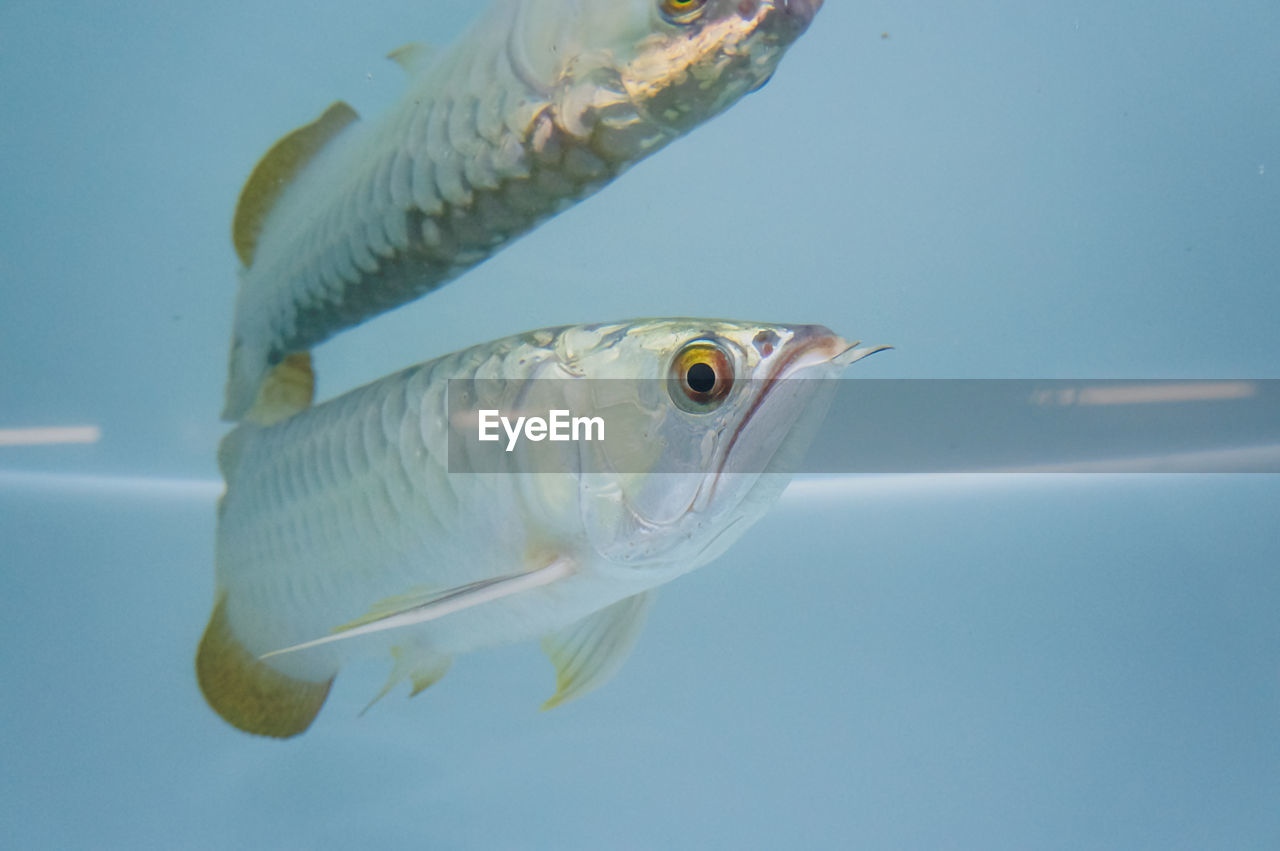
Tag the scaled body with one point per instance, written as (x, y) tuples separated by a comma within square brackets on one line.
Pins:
[(346, 516), (540, 104)]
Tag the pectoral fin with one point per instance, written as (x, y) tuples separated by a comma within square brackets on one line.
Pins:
[(415, 596), (589, 652), (444, 603)]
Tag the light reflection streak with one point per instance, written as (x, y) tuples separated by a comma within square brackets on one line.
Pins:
[(1250, 459), (1146, 394), (46, 435), (1247, 460), (803, 489), (135, 486), (842, 488)]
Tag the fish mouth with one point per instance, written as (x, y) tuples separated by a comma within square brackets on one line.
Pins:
[(821, 346), (801, 12), (818, 348), (790, 15), (781, 21), (813, 346)]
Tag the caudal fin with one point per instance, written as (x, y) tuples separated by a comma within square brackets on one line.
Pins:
[(250, 694)]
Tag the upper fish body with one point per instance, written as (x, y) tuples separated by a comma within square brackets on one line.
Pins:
[(540, 104), (347, 530)]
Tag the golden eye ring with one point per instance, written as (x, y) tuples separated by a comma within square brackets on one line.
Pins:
[(700, 377), (681, 11)]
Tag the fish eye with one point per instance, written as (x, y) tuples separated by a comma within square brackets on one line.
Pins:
[(700, 377), (681, 11)]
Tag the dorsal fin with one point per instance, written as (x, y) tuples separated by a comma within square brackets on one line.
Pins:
[(276, 170), (250, 694), (412, 57), (288, 389)]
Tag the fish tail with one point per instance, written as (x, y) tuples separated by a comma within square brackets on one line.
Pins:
[(248, 693)]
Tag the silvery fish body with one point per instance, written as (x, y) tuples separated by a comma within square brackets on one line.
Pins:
[(540, 104), (344, 533)]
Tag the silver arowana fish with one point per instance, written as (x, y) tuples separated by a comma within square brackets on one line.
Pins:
[(344, 532), (539, 105)]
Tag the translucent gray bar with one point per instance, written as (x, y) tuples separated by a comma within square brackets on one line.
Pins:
[(888, 426), (1054, 425)]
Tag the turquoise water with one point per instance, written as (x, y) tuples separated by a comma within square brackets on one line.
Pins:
[(1070, 190)]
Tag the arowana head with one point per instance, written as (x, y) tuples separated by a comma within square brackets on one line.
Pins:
[(704, 422), (670, 63)]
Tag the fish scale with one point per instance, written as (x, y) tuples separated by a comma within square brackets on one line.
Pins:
[(479, 151), (331, 464)]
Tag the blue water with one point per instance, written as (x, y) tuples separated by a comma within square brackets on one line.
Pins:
[(1079, 189)]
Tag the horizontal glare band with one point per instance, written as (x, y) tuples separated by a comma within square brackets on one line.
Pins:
[(49, 435), (1146, 394), (142, 486)]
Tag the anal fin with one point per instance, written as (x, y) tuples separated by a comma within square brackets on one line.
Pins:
[(248, 693), (586, 654), (418, 665)]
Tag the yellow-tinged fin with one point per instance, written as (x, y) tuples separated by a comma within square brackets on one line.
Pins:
[(412, 57), (420, 666), (289, 388), (425, 678), (250, 694), (586, 654), (276, 170)]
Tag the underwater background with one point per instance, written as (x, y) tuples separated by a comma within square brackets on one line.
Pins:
[(998, 189)]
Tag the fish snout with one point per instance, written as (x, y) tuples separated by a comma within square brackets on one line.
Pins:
[(819, 340), (802, 10), (818, 346), (786, 19), (809, 346)]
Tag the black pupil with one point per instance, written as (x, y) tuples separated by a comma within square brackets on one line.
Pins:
[(701, 378)]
